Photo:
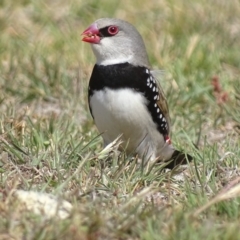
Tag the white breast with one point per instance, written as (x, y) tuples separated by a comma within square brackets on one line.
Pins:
[(124, 112)]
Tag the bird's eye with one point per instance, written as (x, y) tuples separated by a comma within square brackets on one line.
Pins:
[(113, 30)]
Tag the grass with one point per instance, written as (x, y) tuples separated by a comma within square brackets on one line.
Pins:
[(48, 142)]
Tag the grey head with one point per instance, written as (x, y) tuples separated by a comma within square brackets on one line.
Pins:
[(116, 41)]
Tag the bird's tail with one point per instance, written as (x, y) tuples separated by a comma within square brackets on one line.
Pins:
[(178, 158)]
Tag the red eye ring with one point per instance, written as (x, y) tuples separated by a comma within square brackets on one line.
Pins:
[(113, 30)]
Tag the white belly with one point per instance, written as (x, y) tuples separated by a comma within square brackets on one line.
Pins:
[(124, 112)]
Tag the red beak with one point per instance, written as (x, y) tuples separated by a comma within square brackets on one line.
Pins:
[(91, 34)]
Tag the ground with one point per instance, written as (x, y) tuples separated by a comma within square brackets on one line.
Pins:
[(48, 142)]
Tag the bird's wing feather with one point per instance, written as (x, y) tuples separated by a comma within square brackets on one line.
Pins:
[(162, 102)]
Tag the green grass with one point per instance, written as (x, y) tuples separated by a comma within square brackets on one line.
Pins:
[(48, 141)]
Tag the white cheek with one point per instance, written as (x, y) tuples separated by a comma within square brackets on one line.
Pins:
[(107, 54)]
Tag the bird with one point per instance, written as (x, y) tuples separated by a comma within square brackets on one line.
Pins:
[(124, 95)]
